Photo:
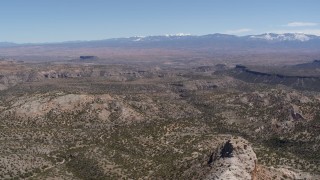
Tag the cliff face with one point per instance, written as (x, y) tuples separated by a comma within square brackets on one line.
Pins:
[(298, 82)]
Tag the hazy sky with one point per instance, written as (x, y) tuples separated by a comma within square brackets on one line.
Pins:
[(65, 20)]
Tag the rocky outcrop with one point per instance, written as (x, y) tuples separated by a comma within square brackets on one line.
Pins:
[(238, 166), (243, 165)]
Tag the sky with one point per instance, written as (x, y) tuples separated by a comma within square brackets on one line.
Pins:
[(31, 21)]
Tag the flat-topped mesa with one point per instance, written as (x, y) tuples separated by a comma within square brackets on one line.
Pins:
[(239, 66), (88, 57), (300, 76)]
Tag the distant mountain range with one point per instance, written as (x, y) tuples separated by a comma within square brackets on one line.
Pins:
[(225, 41), (7, 44), (266, 37)]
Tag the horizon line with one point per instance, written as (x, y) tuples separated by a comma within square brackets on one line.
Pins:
[(140, 36)]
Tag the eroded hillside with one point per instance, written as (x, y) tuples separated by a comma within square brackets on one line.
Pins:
[(82, 121)]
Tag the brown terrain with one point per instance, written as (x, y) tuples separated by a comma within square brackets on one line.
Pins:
[(132, 113)]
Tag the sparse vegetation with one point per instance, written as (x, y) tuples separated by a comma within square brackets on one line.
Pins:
[(151, 124)]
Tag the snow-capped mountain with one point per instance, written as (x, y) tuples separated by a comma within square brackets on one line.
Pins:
[(178, 35), (270, 37), (284, 37), (160, 37)]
